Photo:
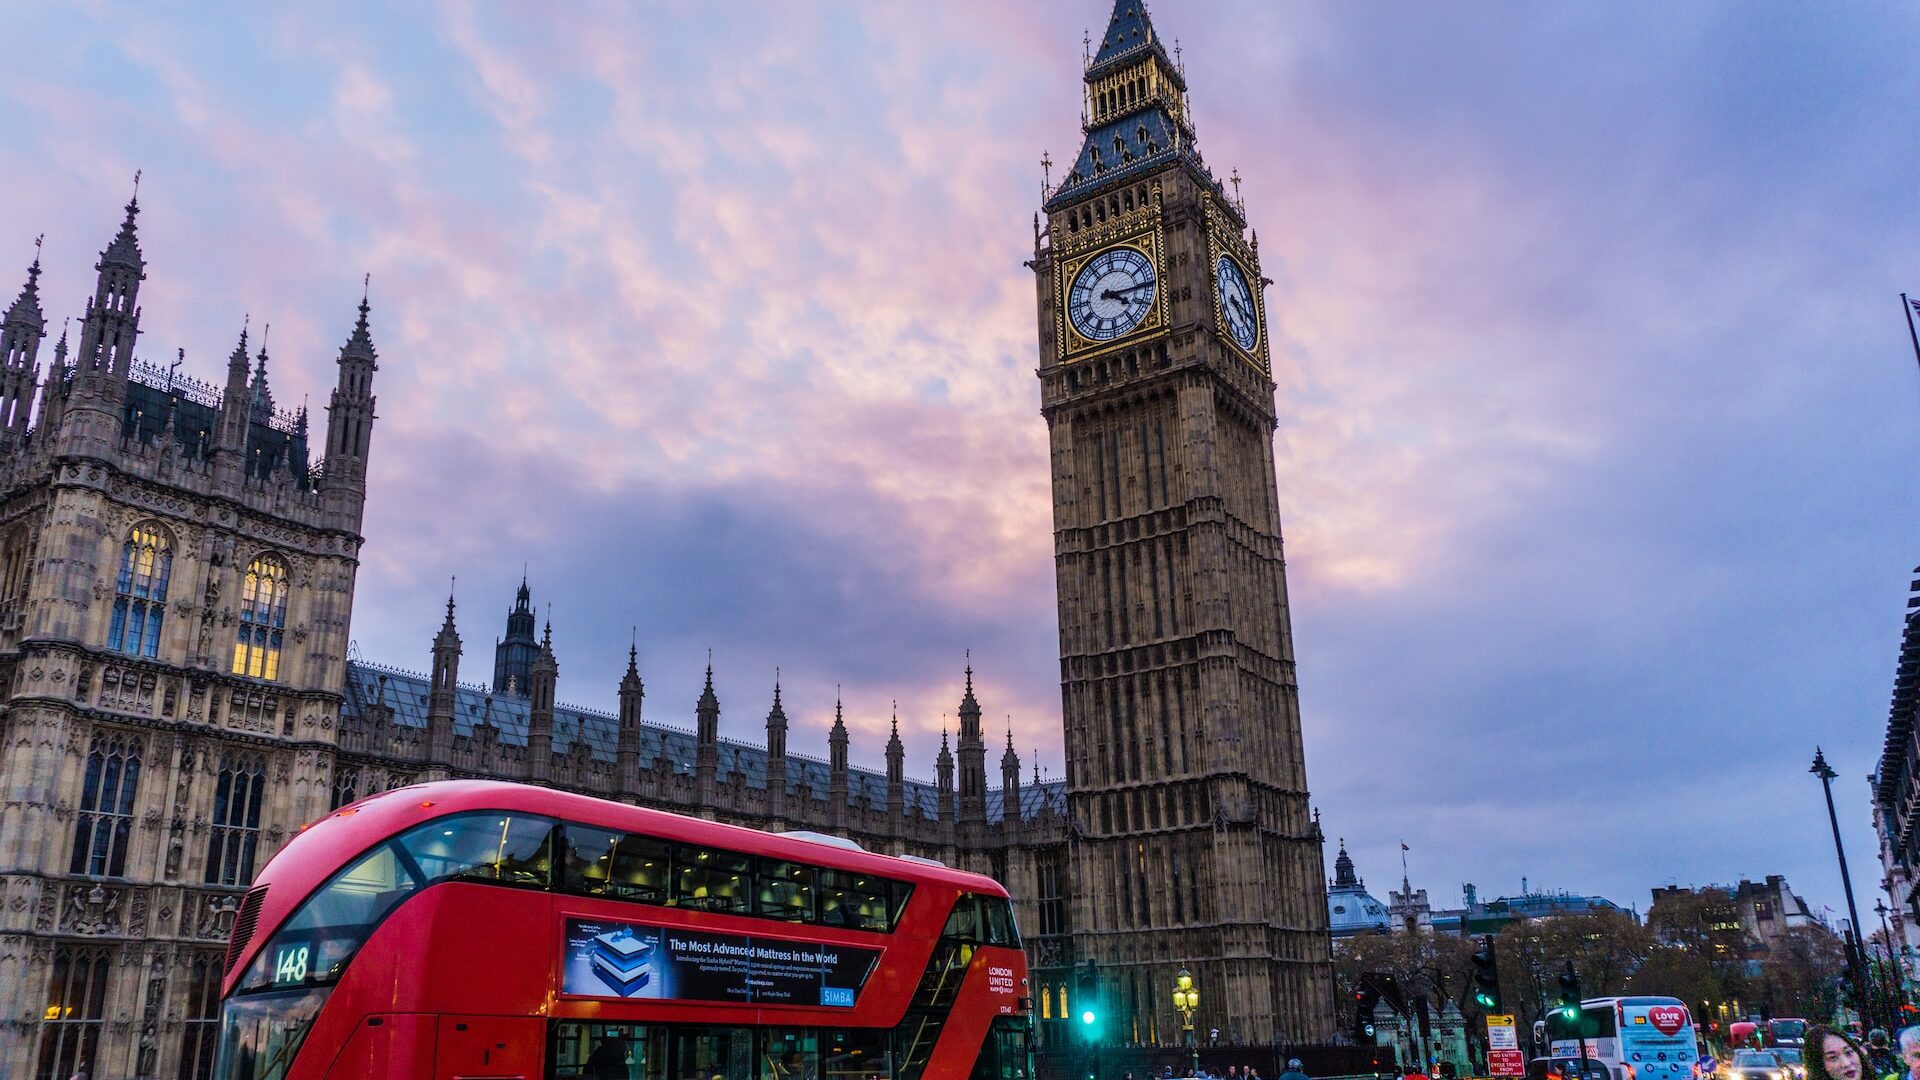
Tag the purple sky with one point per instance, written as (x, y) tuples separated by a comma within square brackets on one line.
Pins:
[(1597, 416)]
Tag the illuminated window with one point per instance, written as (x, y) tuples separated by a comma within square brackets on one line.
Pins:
[(75, 1012), (263, 619), (105, 820), (140, 601), (236, 820)]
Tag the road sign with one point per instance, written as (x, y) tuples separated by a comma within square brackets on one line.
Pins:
[(1504, 1056)]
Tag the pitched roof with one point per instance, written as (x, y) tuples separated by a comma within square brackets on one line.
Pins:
[(1137, 139), (407, 694)]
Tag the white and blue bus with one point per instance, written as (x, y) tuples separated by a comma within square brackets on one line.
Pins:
[(1636, 1038)]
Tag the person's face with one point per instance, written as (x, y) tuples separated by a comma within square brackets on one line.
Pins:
[(1840, 1059)]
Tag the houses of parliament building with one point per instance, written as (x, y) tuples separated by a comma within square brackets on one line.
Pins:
[(177, 571)]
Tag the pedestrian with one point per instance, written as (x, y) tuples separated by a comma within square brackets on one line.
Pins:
[(1294, 1071), (1910, 1050), (1833, 1055), (1880, 1056), (1413, 1073)]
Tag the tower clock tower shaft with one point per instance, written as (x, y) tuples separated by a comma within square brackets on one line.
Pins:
[(1186, 780)]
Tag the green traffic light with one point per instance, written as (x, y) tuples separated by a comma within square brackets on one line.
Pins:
[(1088, 1018)]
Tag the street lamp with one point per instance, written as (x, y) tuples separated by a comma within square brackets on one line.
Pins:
[(1186, 1000), (1856, 958)]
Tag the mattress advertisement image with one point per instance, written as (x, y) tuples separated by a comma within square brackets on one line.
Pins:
[(612, 958)]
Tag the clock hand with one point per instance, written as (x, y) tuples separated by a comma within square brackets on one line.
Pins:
[(1116, 294)]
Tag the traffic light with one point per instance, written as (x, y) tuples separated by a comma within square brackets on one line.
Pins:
[(1569, 993), (1088, 1001), (1364, 999), (1486, 977)]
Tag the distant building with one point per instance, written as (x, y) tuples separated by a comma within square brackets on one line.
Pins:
[(1408, 907), (1350, 910), (1745, 921), (1896, 785), (1491, 916)]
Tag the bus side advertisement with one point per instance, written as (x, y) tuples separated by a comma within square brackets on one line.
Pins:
[(606, 958)]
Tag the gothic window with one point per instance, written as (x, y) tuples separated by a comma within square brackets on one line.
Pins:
[(346, 783), (106, 807), (75, 1012), (236, 820), (263, 619), (1051, 871), (13, 572), (202, 1017), (146, 563)]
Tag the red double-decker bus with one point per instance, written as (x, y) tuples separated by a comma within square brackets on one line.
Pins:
[(470, 929)]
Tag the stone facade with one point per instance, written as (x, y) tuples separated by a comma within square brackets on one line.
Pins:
[(176, 584), (178, 580), (1896, 785), (1194, 844)]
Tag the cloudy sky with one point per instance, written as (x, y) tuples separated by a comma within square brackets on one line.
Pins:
[(1598, 420)]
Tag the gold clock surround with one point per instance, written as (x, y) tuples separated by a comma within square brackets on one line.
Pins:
[(1075, 346)]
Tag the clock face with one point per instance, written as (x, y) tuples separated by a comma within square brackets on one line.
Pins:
[(1236, 303), (1112, 294)]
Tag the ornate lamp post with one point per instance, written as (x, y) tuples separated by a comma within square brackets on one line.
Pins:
[(1186, 1000)]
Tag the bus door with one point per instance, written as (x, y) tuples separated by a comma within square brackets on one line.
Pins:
[(489, 1048)]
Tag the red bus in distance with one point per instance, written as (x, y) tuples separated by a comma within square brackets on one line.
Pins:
[(467, 929)]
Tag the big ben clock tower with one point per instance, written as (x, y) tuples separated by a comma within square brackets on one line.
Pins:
[(1194, 845)]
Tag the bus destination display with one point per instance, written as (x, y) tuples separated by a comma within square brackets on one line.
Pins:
[(609, 958)]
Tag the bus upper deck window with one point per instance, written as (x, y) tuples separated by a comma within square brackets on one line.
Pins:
[(511, 849), (997, 914), (785, 890), (711, 880), (855, 901)]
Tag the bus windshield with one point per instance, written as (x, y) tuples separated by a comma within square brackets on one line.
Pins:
[(316, 943)]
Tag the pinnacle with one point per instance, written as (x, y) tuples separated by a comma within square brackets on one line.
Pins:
[(238, 358), (360, 341), (125, 248), (26, 309)]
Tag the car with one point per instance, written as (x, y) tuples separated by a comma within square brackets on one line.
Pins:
[(1759, 1065), (1566, 1068), (1792, 1058)]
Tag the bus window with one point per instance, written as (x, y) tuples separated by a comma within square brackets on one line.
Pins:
[(599, 1051), (997, 914), (316, 943), (851, 900), (605, 862), (790, 1054), (713, 1051), (502, 848), (853, 1054), (1005, 1055), (964, 923), (711, 880), (785, 891), (640, 869), (586, 859)]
